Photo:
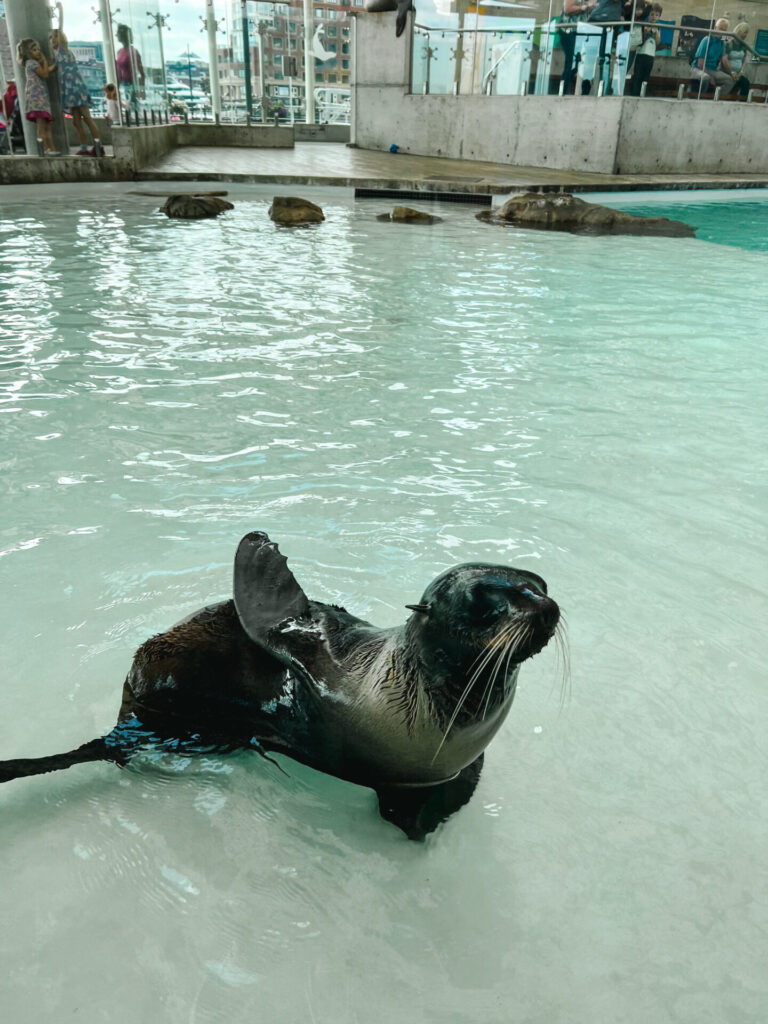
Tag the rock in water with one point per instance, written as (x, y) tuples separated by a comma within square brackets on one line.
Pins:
[(192, 207), (406, 215), (565, 212), (291, 211)]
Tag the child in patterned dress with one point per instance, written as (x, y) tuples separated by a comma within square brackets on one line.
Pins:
[(37, 102), (74, 94)]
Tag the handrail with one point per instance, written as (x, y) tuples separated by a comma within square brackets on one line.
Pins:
[(545, 25), (491, 71)]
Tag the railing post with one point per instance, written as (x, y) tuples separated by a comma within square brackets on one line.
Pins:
[(643, 87), (681, 91), (717, 93)]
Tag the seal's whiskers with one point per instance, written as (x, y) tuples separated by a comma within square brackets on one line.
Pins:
[(563, 653), (497, 646), (515, 641)]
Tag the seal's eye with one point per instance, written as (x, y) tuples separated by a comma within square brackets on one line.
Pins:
[(540, 583), (488, 604)]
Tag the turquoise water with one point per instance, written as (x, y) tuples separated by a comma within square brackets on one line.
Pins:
[(731, 217), (386, 401)]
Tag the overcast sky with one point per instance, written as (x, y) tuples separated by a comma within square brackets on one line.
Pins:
[(184, 24)]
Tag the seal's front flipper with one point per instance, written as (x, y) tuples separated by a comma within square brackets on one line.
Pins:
[(419, 810), (403, 6), (266, 592)]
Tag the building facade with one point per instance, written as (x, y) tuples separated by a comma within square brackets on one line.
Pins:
[(276, 47)]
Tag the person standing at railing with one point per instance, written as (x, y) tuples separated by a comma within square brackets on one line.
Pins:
[(75, 96), (646, 53), (636, 12), (574, 11), (706, 61), (130, 70)]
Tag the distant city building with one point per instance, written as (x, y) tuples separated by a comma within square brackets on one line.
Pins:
[(90, 61), (6, 59), (276, 32)]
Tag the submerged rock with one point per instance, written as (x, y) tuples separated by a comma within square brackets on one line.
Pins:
[(565, 212), (406, 215), (186, 206), (290, 211)]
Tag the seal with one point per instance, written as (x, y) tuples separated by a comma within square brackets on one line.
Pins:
[(407, 711)]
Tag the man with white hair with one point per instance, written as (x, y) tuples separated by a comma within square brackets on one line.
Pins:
[(706, 61)]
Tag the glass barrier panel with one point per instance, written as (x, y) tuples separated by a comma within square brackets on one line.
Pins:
[(675, 49)]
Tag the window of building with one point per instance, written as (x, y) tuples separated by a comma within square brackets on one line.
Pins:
[(332, 15), (278, 76), (277, 42), (345, 47), (331, 77), (332, 30), (345, 63), (292, 43)]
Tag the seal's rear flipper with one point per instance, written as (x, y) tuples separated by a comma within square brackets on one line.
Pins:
[(419, 810), (266, 592), (96, 750)]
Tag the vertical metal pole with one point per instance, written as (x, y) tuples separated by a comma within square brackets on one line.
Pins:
[(247, 60), (162, 58), (213, 60), (110, 67), (260, 43), (459, 54), (309, 63)]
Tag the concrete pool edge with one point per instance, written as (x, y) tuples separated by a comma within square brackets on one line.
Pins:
[(336, 164)]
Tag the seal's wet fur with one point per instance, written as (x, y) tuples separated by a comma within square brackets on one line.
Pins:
[(407, 711)]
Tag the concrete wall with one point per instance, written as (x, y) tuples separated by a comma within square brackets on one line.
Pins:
[(690, 136), (32, 170), (146, 145), (610, 134), (142, 146), (255, 136)]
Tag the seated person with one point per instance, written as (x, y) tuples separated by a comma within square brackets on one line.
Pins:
[(705, 67), (735, 58)]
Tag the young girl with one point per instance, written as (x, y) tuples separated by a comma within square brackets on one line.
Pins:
[(74, 94), (37, 100), (647, 51), (113, 104)]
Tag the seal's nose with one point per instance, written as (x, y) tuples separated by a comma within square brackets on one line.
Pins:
[(540, 605)]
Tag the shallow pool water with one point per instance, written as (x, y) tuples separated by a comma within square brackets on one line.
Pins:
[(385, 401)]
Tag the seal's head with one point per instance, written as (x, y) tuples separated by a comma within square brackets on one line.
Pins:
[(474, 626)]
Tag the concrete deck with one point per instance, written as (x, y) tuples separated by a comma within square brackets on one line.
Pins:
[(329, 163), (336, 164)]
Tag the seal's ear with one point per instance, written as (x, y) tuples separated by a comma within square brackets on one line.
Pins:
[(265, 590)]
